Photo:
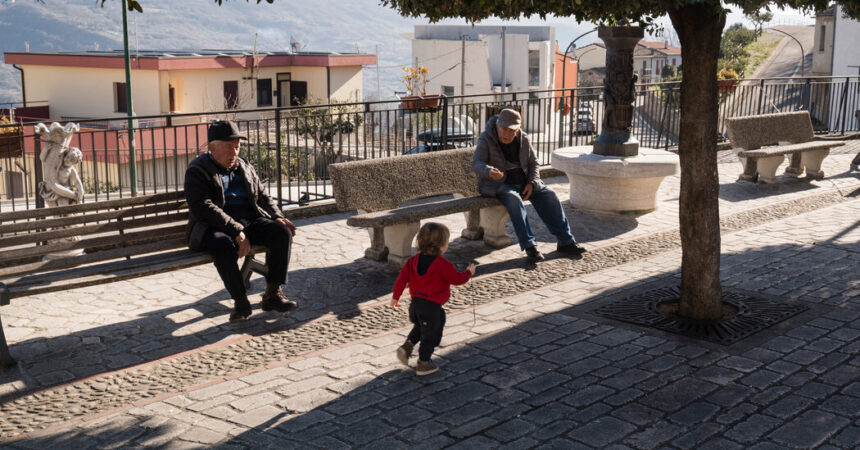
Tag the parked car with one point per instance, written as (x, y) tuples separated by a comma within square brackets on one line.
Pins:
[(431, 140), (584, 125)]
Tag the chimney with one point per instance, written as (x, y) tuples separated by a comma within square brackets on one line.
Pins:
[(665, 44)]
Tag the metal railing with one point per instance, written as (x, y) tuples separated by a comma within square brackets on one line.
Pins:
[(292, 147)]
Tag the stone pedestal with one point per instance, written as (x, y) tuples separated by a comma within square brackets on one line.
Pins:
[(612, 183), (616, 138)]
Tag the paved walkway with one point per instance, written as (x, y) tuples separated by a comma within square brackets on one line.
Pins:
[(525, 361)]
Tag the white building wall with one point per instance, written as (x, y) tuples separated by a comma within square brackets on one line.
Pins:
[(846, 61), (591, 56), (346, 84), (78, 92), (438, 56), (822, 58)]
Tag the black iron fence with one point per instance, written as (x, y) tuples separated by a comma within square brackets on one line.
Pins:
[(292, 147)]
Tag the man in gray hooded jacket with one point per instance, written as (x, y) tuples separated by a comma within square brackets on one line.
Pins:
[(507, 168)]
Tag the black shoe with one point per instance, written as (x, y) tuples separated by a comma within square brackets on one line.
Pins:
[(278, 302), (240, 314), (572, 249), (534, 255)]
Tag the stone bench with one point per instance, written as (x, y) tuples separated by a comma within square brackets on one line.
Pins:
[(111, 240), (763, 141), (378, 189)]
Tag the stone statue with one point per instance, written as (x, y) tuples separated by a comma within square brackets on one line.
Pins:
[(62, 184), (616, 137)]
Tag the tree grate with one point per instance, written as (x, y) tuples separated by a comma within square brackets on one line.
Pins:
[(753, 315)]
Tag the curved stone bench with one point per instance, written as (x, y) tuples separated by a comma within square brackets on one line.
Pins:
[(378, 189), (763, 141)]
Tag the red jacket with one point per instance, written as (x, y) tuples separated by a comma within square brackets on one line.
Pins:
[(435, 285)]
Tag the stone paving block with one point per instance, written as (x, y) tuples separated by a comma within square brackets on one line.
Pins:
[(307, 401), (718, 375), (736, 413), (784, 344), (654, 436), (730, 395), (472, 428), (602, 431), (843, 405), (549, 413), (740, 364), (752, 428), (828, 362), (592, 412), (543, 382), (637, 413), (694, 414), (841, 376), (421, 431), (810, 429), (803, 357), (216, 390), (553, 429), (789, 406), (662, 363), (364, 432), (510, 430), (624, 397), (678, 394), (761, 379), (816, 390), (587, 396), (202, 436), (458, 396), (847, 438), (720, 444), (250, 402)]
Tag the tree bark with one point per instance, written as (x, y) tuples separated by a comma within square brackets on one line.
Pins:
[(699, 27)]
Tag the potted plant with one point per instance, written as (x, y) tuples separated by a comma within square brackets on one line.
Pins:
[(415, 80), (727, 80), (10, 139)]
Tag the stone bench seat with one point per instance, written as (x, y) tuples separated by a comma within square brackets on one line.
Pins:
[(381, 191), (415, 213), (763, 141)]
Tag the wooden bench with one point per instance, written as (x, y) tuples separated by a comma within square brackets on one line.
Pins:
[(379, 188), (763, 141), (117, 240)]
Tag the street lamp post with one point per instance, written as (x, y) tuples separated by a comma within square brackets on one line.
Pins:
[(802, 54), (132, 160)]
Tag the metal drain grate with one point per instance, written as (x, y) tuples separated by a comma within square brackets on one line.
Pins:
[(754, 314)]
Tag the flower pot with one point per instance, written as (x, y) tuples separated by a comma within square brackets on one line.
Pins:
[(414, 102), (727, 85), (11, 143)]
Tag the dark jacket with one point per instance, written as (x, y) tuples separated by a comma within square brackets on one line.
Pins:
[(488, 155), (205, 196)]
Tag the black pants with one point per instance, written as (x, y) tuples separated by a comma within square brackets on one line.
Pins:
[(429, 320), (275, 236)]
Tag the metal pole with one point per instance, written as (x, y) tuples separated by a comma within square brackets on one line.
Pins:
[(129, 109), (504, 74), (462, 67), (378, 94)]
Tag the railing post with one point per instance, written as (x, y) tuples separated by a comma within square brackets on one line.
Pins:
[(444, 124), (844, 106), (37, 169), (805, 95), (760, 95), (278, 153)]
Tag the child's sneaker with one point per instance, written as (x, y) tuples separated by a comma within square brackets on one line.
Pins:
[(404, 352), (425, 368)]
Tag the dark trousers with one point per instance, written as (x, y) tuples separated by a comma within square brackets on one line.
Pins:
[(275, 236), (428, 320)]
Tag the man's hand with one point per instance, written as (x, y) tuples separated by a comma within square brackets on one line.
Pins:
[(527, 191), (496, 174), (244, 245), (395, 302), (288, 224), (471, 268)]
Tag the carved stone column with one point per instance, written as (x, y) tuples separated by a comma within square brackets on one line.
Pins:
[(616, 137)]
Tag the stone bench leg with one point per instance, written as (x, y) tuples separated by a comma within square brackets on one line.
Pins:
[(493, 220), (473, 230), (812, 159), (398, 239), (750, 172), (377, 250), (795, 166), (767, 168)]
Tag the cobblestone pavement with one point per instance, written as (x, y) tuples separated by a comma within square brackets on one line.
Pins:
[(151, 362)]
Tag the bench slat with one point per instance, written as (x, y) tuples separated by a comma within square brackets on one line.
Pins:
[(30, 238), (43, 224), (414, 213), (109, 272), (92, 206), (100, 242), (102, 276), (87, 258)]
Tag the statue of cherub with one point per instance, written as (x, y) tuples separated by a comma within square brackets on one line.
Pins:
[(62, 184)]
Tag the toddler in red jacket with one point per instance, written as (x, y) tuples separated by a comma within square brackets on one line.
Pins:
[(429, 276)]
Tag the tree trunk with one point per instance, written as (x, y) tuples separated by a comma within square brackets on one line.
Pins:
[(699, 27)]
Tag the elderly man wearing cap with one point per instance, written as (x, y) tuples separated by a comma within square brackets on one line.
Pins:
[(229, 209), (507, 168)]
